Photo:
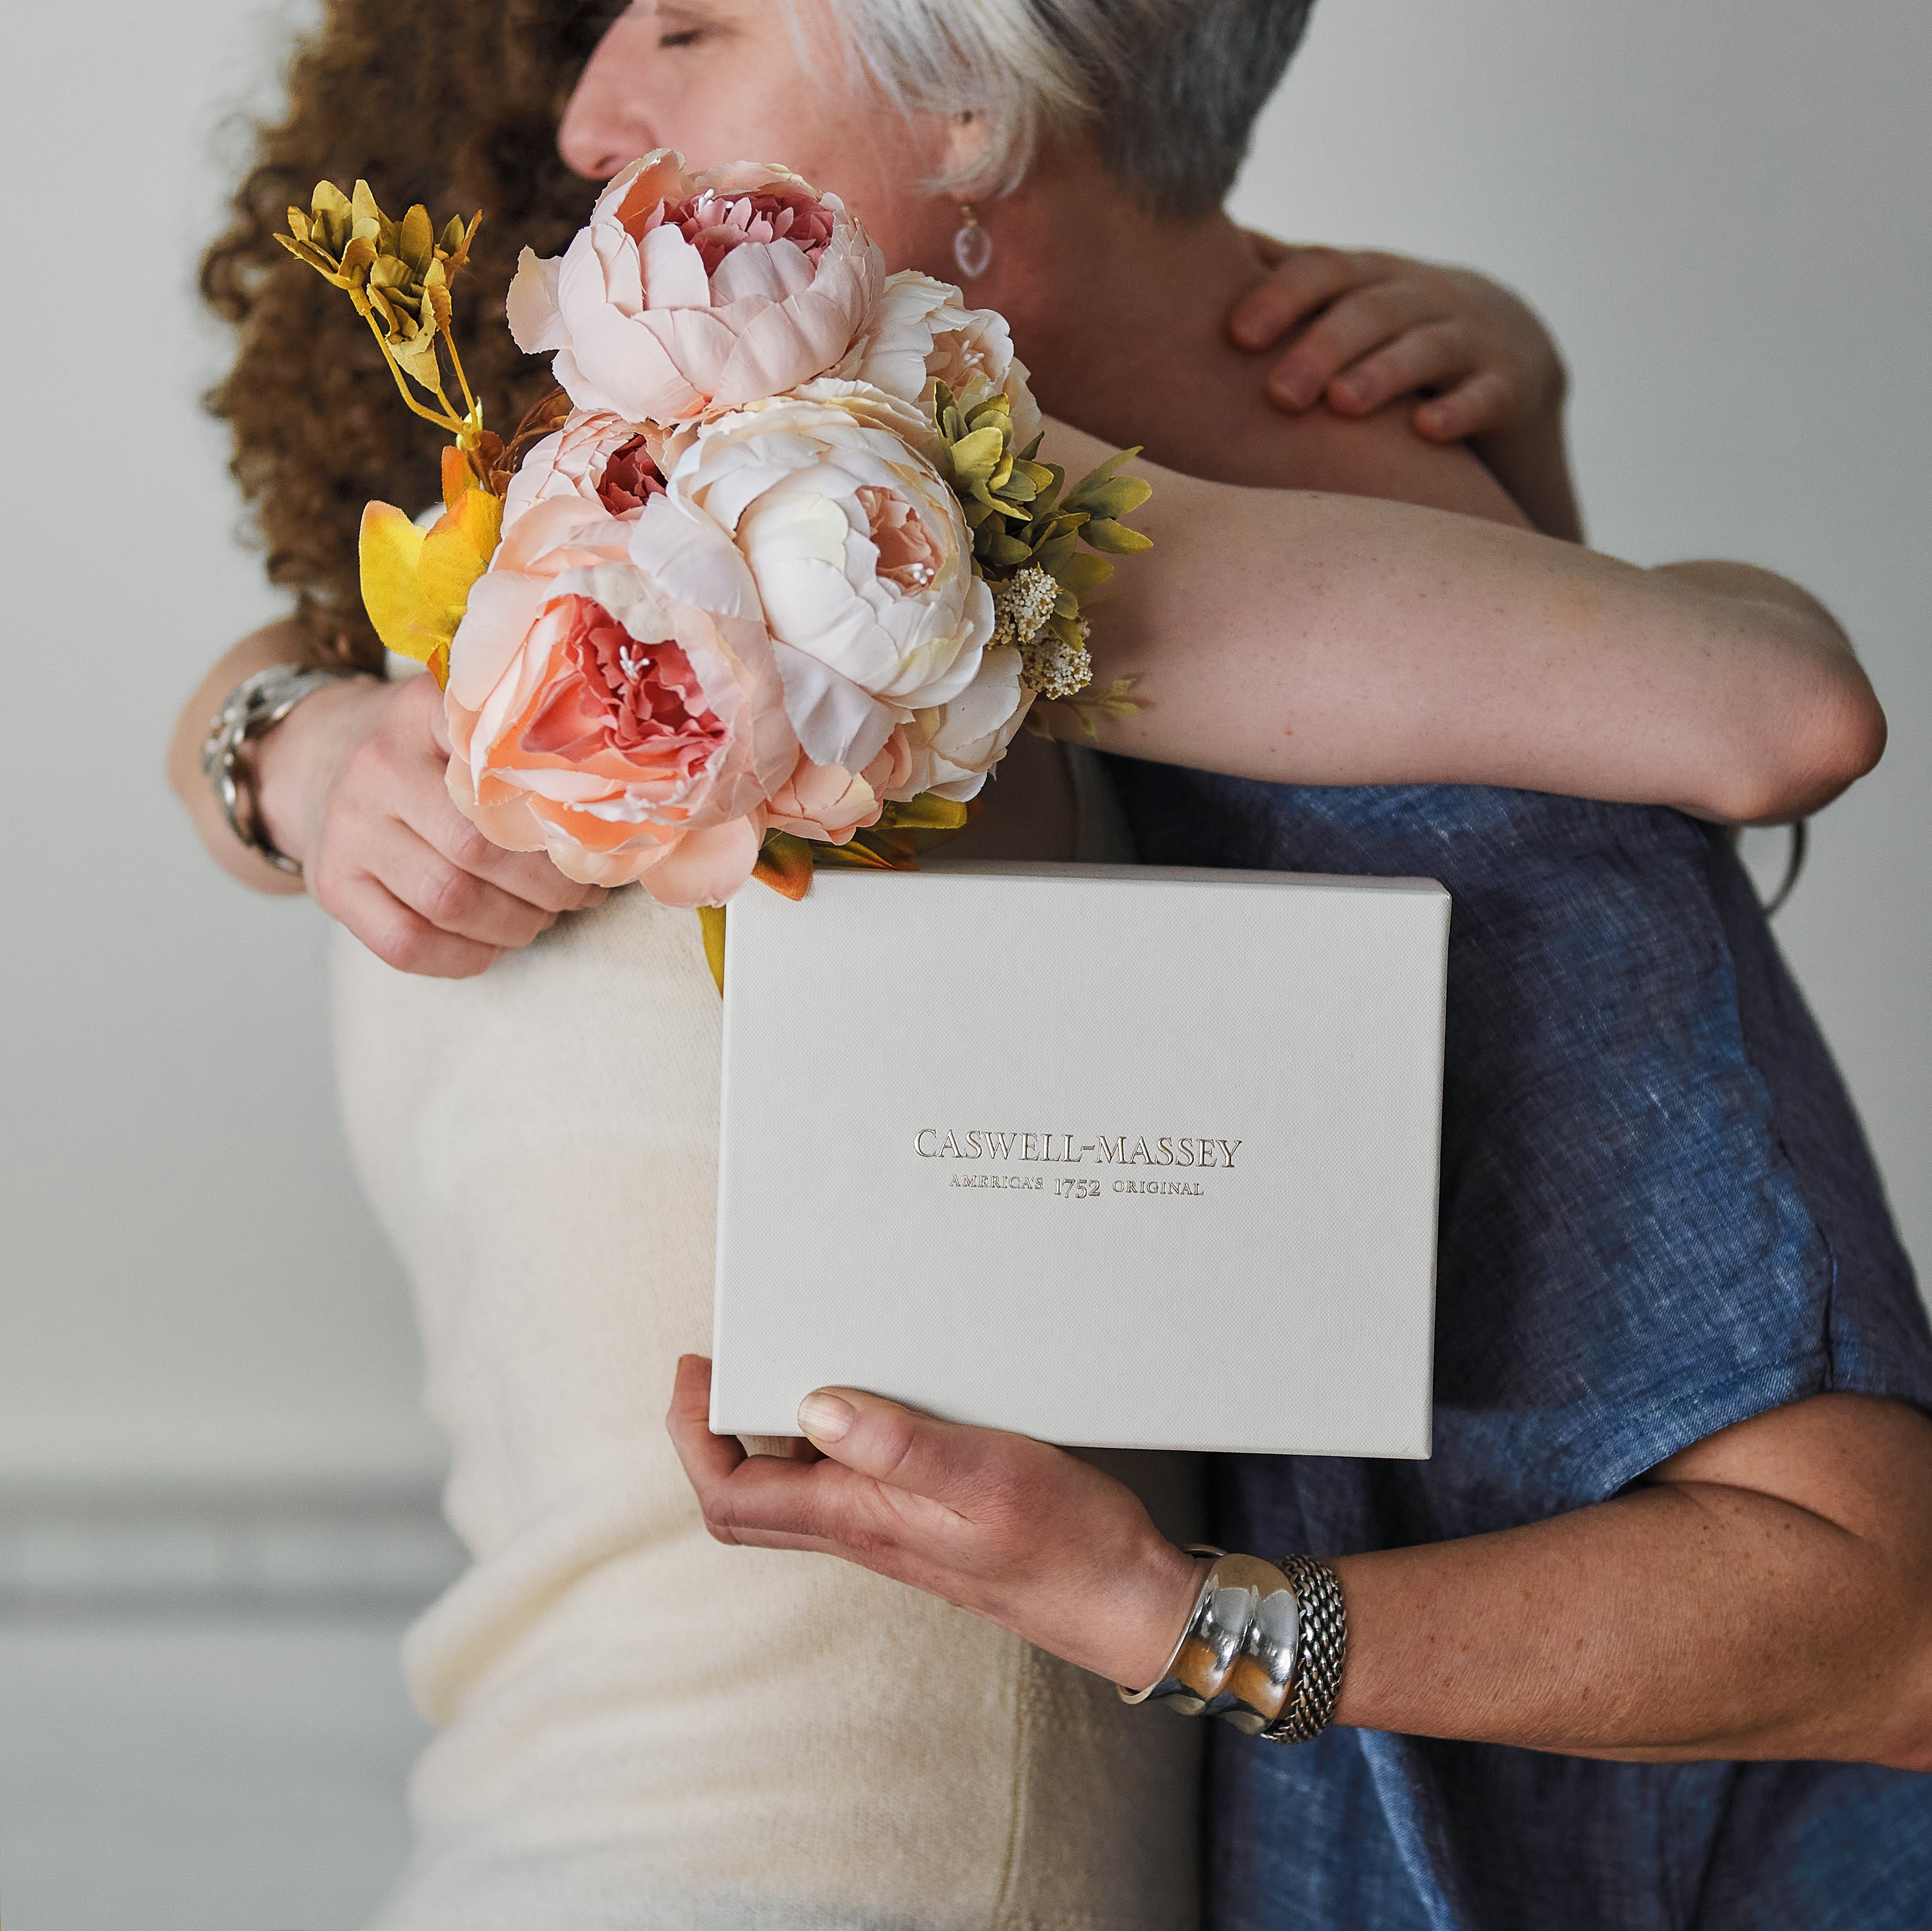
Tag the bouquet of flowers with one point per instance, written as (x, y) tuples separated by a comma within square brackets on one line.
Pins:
[(774, 580)]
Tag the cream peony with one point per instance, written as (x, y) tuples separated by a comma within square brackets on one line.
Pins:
[(923, 332), (686, 293), (861, 555), (613, 701), (954, 746)]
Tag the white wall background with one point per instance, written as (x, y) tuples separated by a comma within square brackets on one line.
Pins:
[(1719, 205)]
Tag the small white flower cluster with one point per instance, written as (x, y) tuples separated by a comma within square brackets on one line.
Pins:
[(1022, 608)]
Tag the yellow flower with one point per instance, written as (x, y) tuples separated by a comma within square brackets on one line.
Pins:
[(416, 582), (397, 273)]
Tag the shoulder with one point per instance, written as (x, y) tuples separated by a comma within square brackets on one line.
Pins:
[(1380, 455)]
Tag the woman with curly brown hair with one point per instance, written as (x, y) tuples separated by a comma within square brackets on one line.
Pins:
[(639, 1727)]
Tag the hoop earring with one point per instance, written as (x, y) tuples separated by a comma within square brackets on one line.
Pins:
[(972, 246)]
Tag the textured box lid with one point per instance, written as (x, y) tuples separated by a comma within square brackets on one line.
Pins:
[(1114, 1155)]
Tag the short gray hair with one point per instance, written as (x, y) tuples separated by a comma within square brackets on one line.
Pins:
[(1169, 88)]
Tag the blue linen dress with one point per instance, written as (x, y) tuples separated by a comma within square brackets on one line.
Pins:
[(1659, 1216)]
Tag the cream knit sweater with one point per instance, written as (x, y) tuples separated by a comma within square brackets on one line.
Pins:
[(641, 1730)]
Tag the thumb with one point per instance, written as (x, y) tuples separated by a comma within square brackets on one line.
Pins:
[(898, 1446)]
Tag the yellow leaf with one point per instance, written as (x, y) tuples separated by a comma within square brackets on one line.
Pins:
[(436, 296), (416, 241), (481, 516), (390, 550), (457, 551), (927, 812), (976, 456), (458, 478), (449, 566), (711, 919), (416, 359), (784, 864)]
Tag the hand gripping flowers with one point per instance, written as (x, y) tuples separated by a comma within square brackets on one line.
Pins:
[(784, 583)]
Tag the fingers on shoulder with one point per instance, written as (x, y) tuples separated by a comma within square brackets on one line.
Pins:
[(1484, 401), (1425, 355), (1305, 281)]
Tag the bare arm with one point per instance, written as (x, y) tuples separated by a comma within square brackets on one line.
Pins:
[(1307, 638), (1767, 1593)]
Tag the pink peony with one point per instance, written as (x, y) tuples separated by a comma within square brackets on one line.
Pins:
[(686, 293), (599, 459), (613, 701), (827, 802)]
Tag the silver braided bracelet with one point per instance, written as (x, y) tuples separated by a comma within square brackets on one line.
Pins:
[(252, 709), (1263, 1649)]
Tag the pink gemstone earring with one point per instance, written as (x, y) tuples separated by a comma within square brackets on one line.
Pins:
[(972, 246)]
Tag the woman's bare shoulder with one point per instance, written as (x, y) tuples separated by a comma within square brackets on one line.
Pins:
[(1380, 455)]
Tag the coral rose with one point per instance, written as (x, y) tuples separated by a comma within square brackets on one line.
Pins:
[(862, 558), (686, 293), (613, 701), (600, 459), (921, 333)]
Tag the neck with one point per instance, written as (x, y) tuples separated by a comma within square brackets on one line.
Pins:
[(1120, 316)]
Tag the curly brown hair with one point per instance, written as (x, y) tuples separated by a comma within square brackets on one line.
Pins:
[(453, 103)]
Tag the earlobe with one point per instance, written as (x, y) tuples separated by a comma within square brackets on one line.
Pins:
[(966, 147), (964, 144)]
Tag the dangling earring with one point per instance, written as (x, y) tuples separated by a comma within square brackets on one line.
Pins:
[(972, 246)]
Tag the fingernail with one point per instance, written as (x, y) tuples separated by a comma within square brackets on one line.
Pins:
[(1291, 391), (825, 1417)]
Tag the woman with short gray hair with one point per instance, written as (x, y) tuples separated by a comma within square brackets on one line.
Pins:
[(639, 1729)]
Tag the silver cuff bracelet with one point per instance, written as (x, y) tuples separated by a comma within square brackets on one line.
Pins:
[(1263, 1649)]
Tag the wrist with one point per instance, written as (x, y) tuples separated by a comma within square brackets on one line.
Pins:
[(1152, 1614), (290, 762)]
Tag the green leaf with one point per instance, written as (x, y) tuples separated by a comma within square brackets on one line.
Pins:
[(1103, 533), (1051, 554), (1081, 574), (1094, 477), (1118, 496), (975, 458)]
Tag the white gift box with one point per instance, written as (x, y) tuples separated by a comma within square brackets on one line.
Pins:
[(1114, 1155)]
